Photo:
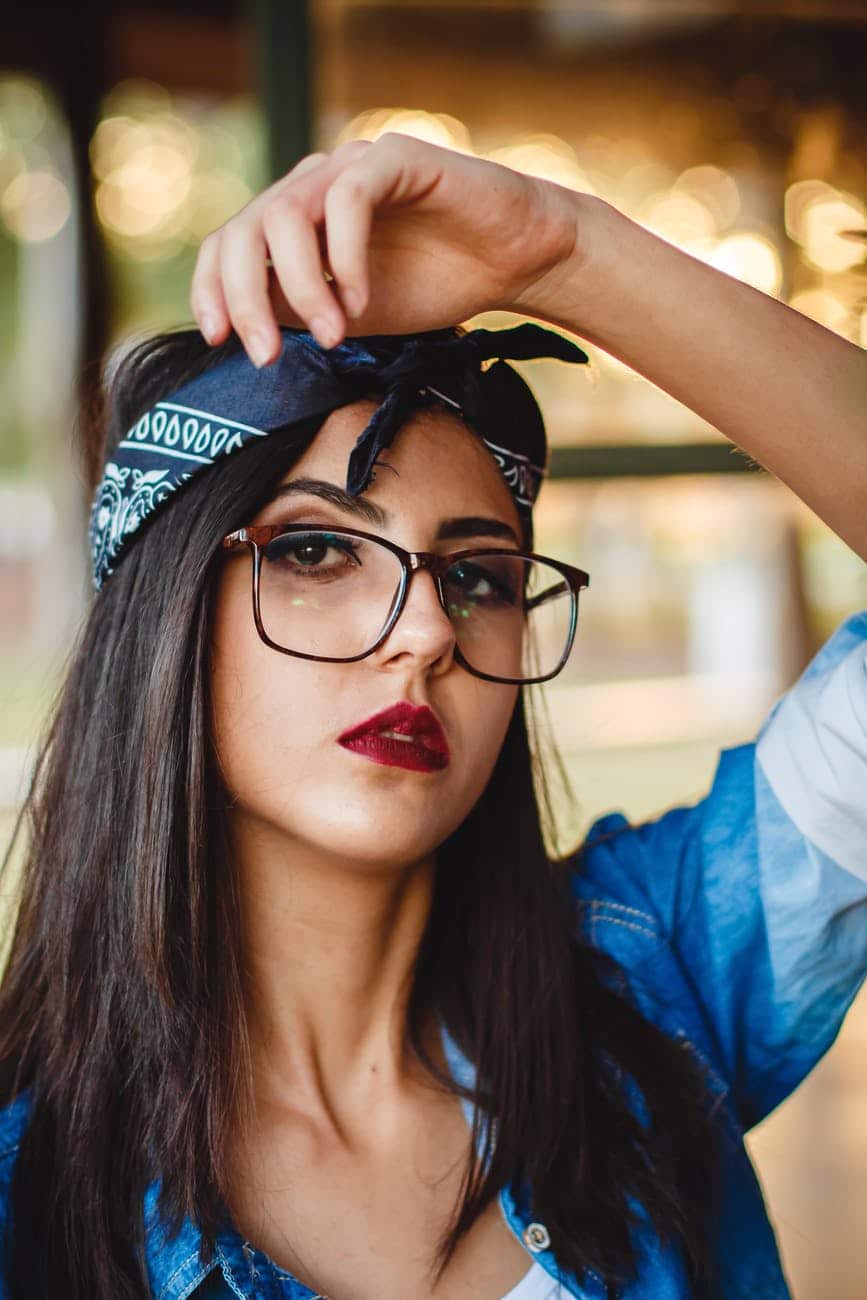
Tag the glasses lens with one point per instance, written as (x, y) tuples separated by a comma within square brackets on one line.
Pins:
[(329, 593), (326, 593), (513, 616)]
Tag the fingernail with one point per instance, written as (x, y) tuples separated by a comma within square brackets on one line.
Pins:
[(259, 349), (354, 302), (325, 331), (210, 325)]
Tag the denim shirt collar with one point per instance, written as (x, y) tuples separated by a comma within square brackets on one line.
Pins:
[(175, 1269), (174, 1265)]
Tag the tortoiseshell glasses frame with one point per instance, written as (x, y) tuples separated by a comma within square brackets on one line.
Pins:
[(257, 537)]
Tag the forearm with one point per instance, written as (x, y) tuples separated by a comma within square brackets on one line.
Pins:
[(789, 392)]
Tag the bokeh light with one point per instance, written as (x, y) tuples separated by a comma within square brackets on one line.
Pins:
[(436, 128), (12, 162), (797, 200), (681, 218), (819, 217), (147, 170), (630, 190), (751, 257), (35, 206), (545, 156), (823, 306), (715, 189), (167, 174), (35, 202), (24, 107), (826, 243)]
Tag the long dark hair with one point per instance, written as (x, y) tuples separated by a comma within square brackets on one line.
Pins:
[(121, 1008)]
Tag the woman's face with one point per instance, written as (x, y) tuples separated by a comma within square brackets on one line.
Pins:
[(277, 718)]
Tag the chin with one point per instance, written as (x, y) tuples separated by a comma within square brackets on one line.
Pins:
[(378, 826), (379, 847)]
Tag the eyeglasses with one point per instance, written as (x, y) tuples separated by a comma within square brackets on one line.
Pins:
[(334, 595)]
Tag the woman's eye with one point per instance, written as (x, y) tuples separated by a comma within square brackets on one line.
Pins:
[(482, 584), (309, 553), (312, 553)]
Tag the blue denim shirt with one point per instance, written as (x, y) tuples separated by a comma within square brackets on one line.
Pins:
[(742, 923)]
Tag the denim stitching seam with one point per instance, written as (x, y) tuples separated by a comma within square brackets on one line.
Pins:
[(226, 1269), (179, 1269)]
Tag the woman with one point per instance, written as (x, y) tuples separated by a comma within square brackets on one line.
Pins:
[(296, 1006)]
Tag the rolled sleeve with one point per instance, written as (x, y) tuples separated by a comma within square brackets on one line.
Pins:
[(760, 889)]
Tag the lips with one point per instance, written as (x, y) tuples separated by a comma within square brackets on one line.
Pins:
[(426, 748)]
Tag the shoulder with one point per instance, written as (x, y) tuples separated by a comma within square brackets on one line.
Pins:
[(617, 873), (611, 910), (811, 748)]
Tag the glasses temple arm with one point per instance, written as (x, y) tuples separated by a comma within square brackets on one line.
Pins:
[(545, 595)]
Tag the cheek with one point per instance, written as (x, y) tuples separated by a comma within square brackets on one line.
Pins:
[(275, 720), (266, 708), (485, 723), (272, 734), (245, 680)]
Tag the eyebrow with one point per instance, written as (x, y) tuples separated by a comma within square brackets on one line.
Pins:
[(458, 526)]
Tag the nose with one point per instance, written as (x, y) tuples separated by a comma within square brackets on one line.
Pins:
[(423, 630)]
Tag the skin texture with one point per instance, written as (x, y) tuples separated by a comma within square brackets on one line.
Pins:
[(449, 239), (330, 845), (427, 236), (392, 237), (335, 856)]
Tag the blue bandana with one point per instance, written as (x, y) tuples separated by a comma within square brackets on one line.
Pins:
[(220, 411)]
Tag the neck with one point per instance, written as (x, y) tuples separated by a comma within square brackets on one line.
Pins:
[(330, 949)]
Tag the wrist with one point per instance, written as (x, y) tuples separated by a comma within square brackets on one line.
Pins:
[(564, 294), (593, 288)]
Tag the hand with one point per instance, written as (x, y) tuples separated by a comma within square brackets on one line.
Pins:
[(416, 237)]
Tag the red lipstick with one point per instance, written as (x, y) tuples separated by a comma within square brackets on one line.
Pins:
[(425, 748)]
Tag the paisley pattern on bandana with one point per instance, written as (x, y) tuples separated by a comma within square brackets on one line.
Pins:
[(162, 450), (198, 424), (125, 497), (523, 477)]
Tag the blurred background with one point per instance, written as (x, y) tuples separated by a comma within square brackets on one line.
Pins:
[(736, 129)]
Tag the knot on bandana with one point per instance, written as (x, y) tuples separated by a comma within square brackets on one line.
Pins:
[(229, 405), (416, 367)]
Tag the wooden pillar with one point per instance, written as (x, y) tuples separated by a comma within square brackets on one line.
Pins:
[(284, 55)]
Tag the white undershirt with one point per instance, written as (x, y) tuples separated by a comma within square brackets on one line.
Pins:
[(536, 1284)]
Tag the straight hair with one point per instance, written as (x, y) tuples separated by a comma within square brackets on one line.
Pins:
[(122, 1012)]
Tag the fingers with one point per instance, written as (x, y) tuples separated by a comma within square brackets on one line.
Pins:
[(230, 287), (348, 218), (350, 202), (244, 282), (297, 234), (206, 296), (293, 223), (297, 262)]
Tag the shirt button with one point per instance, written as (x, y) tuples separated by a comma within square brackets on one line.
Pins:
[(535, 1237)]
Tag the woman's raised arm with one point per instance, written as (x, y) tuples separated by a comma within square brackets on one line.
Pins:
[(789, 392), (418, 237)]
